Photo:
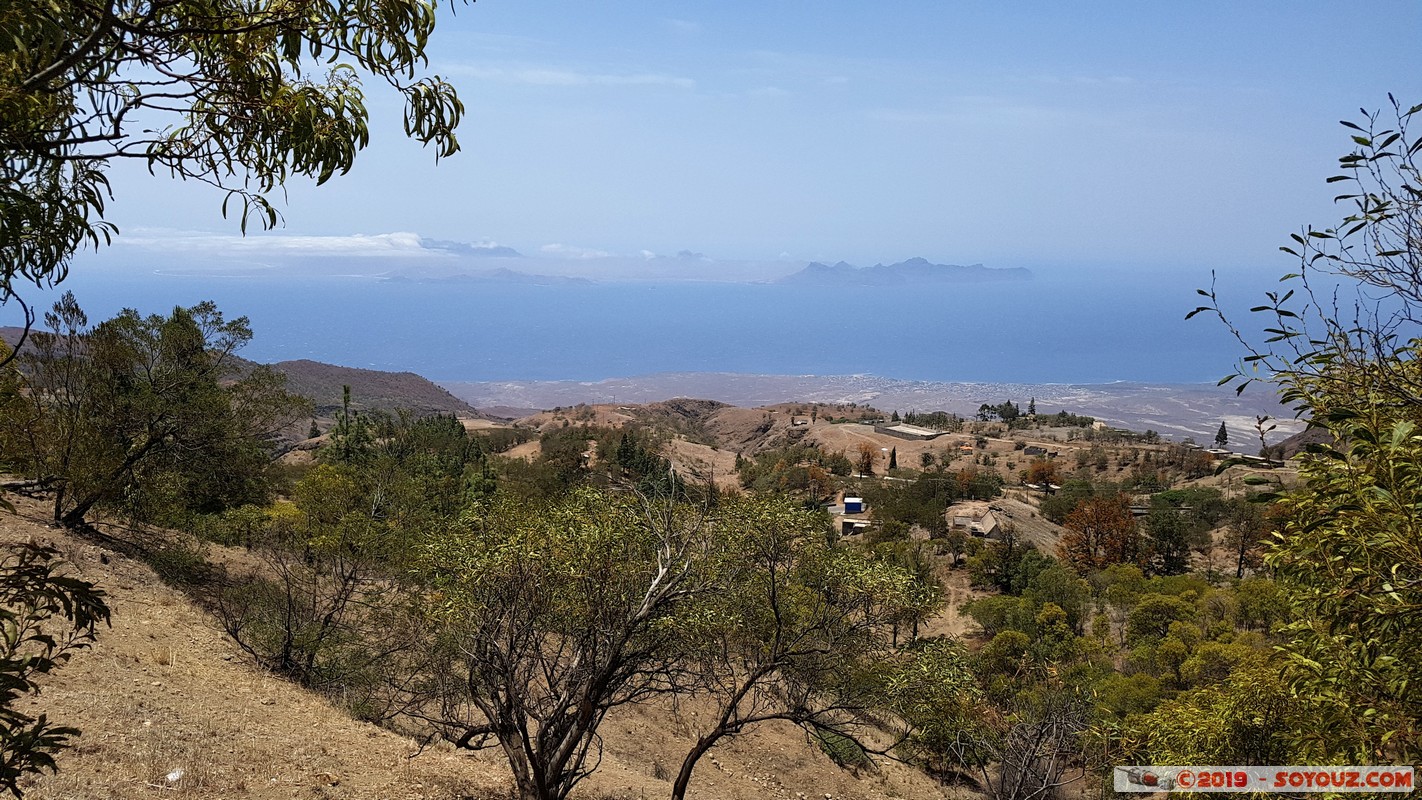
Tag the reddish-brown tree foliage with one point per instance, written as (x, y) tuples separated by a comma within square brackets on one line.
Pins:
[(1042, 471), (867, 456), (1101, 532)]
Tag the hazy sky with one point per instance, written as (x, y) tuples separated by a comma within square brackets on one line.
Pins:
[(1136, 133)]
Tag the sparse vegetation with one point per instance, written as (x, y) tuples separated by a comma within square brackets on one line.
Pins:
[(519, 588), (45, 616)]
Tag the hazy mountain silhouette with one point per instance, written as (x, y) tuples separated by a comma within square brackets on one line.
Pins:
[(915, 271)]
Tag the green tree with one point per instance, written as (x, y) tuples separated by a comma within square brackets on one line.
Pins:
[(1151, 618), (352, 440), (1004, 564), (1008, 411), (894, 458), (550, 616), (921, 502), (798, 631), (321, 609), (1260, 604), (1345, 556), (149, 415), (1030, 750), (955, 541), (226, 93), (323, 598), (637, 460), (1061, 502), (1248, 525), (1222, 437), (1172, 534), (1058, 585), (935, 691), (1248, 719)]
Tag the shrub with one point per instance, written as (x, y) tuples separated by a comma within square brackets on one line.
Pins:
[(45, 616)]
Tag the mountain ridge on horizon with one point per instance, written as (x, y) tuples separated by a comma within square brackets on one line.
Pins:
[(913, 271)]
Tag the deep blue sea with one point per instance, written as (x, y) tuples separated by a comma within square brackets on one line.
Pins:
[(1061, 327)]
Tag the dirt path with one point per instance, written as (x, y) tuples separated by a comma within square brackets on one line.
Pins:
[(951, 621)]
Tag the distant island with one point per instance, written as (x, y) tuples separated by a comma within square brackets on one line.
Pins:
[(483, 249), (915, 271), (501, 275)]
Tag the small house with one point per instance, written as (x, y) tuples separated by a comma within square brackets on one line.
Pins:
[(850, 527), (906, 431), (975, 519)]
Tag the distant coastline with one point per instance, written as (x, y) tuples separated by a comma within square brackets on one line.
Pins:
[(1058, 328), (1176, 410)]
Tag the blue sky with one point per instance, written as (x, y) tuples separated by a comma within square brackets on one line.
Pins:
[(1133, 134)]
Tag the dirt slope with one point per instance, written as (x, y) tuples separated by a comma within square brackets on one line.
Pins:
[(170, 708), (164, 690)]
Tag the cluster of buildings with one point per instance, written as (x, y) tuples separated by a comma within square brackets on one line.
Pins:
[(975, 517)]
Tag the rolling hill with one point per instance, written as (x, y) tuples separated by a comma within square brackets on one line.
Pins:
[(370, 389)]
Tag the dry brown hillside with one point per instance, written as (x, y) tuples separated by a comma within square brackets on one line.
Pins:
[(376, 389), (705, 422), (170, 708)]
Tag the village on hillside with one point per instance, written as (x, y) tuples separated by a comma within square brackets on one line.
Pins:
[(311, 569)]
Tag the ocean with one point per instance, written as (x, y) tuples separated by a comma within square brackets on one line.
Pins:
[(1062, 327)]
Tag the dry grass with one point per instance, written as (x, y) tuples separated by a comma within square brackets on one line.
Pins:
[(169, 707), (164, 690)]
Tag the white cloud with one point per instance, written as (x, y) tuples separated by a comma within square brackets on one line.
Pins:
[(401, 243), (552, 76), (684, 25), (572, 251)]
